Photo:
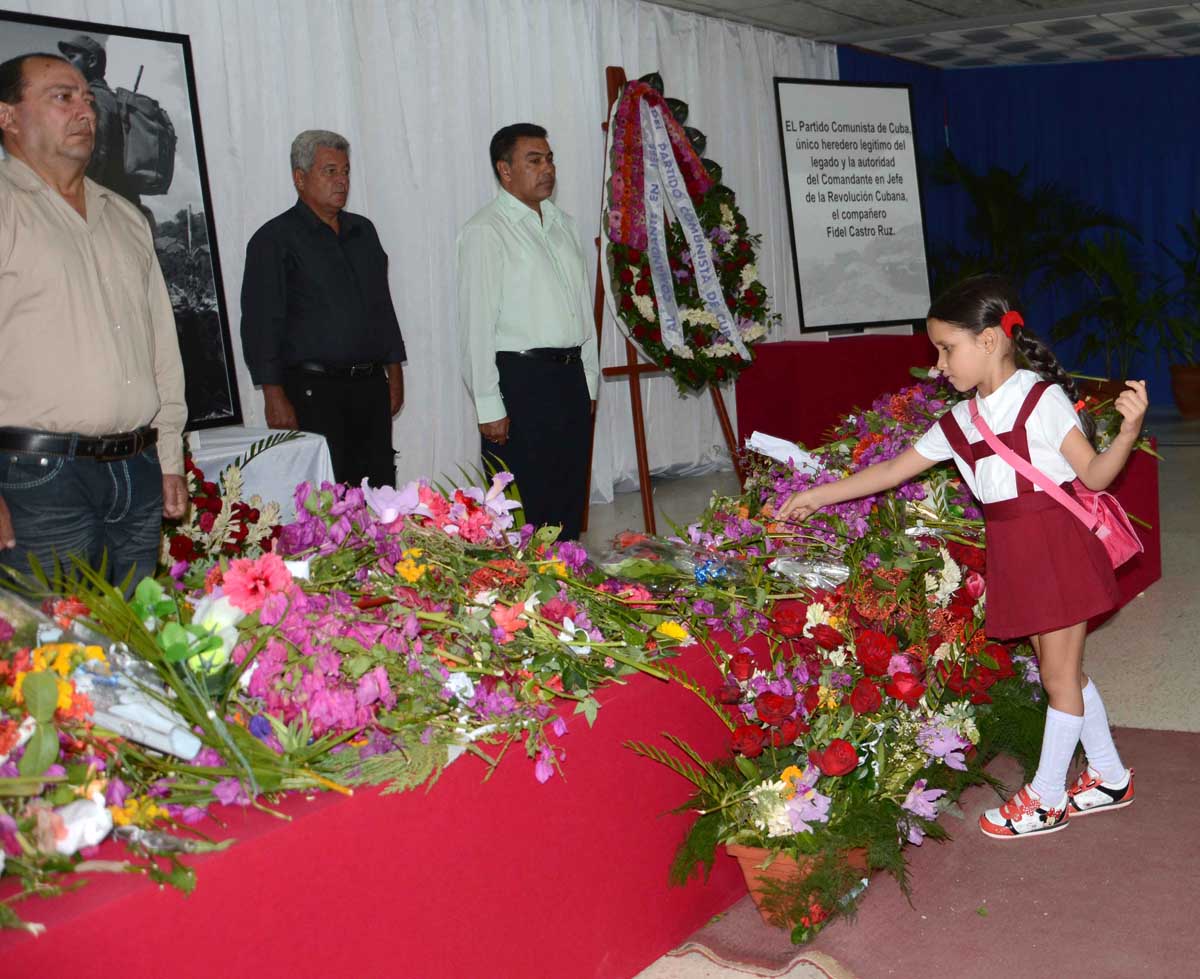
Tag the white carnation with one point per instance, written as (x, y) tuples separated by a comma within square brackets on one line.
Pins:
[(645, 306)]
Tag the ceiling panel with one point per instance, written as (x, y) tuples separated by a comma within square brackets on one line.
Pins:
[(977, 33)]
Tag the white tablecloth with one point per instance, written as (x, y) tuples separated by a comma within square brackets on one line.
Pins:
[(275, 473)]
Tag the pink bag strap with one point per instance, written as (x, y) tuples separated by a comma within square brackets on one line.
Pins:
[(1030, 471)]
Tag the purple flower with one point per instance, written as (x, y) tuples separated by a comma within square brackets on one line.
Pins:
[(6, 629), (116, 793), (920, 802), (807, 805), (390, 504), (260, 727), (229, 792), (942, 742), (545, 764)]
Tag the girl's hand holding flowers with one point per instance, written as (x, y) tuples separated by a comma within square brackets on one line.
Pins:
[(1132, 404), (800, 505)]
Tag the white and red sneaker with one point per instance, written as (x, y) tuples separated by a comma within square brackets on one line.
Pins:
[(1024, 815), (1090, 793)]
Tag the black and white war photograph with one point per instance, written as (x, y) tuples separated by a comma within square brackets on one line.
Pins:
[(148, 149)]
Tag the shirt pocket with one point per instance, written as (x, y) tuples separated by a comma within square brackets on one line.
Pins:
[(25, 471)]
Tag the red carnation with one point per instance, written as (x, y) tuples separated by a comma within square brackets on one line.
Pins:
[(974, 558), (210, 489), (774, 708), (827, 637), (865, 698), (839, 758), (789, 617), (626, 275), (905, 687), (182, 549), (643, 287), (741, 665), (874, 651), (747, 740)]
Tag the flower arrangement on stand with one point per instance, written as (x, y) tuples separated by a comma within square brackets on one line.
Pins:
[(687, 294)]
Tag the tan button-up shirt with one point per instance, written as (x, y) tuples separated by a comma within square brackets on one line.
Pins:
[(87, 334)]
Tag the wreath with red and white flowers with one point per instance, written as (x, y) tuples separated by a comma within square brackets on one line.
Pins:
[(685, 290)]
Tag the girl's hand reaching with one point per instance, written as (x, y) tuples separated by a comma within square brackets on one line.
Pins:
[(799, 505), (1132, 403)]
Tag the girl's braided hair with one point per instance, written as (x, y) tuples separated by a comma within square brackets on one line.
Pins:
[(979, 302)]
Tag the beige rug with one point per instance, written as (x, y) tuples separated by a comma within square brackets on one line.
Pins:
[(692, 961)]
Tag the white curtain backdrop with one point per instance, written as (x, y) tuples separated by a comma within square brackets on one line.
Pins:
[(418, 87)]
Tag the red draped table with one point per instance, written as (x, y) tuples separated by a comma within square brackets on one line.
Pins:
[(798, 389), (503, 879)]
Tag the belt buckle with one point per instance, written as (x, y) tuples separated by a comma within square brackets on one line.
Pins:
[(357, 370), (111, 448)]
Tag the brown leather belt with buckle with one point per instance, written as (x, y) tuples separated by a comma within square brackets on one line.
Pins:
[(336, 370), (102, 448)]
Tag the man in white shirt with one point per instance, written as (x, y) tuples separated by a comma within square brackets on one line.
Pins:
[(526, 337)]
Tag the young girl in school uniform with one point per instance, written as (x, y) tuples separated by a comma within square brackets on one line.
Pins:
[(1047, 574)]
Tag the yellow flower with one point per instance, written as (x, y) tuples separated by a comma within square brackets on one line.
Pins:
[(557, 567), (827, 697), (673, 630), (137, 812), (66, 694), (790, 773), (408, 569)]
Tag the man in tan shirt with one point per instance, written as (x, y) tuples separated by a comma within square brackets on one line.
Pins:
[(91, 383)]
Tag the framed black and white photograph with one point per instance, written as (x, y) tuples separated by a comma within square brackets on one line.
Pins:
[(149, 150)]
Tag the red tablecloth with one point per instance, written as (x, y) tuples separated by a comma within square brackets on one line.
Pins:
[(470, 880), (798, 389)]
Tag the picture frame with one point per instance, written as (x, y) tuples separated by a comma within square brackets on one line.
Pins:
[(856, 215), (150, 149)]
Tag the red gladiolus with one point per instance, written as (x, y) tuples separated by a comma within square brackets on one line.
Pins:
[(906, 688), (865, 698), (788, 618), (748, 740), (839, 758), (827, 637), (774, 708), (874, 651), (741, 665), (812, 697)]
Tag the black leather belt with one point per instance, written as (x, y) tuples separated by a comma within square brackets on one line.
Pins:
[(555, 355), (102, 448), (337, 370)]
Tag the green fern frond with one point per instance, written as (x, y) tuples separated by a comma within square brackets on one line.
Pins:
[(696, 777)]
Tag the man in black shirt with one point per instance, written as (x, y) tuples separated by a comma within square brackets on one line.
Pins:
[(318, 329)]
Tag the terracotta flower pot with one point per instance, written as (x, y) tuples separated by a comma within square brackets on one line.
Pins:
[(1185, 385), (783, 868)]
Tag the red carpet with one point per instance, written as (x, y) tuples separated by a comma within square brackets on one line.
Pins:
[(1112, 897)]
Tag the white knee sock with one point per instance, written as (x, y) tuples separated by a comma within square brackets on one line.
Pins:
[(1058, 745), (1097, 738)]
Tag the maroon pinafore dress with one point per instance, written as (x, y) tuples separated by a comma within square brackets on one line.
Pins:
[(1045, 570)]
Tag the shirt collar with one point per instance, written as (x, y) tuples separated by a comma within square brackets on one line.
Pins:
[(516, 211), (347, 223), (21, 175)]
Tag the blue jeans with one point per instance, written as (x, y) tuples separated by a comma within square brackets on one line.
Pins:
[(63, 506)]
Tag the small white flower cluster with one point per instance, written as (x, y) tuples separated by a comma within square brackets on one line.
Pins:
[(770, 809), (701, 317), (749, 276), (946, 582), (751, 331), (728, 220), (960, 715), (645, 306)]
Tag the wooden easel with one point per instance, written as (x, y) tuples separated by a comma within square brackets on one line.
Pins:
[(634, 369)]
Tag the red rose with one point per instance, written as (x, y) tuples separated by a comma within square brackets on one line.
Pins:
[(634, 256), (182, 549), (839, 758), (728, 694), (827, 637), (954, 679), (774, 708), (626, 303), (874, 651), (720, 373), (865, 698), (905, 687), (788, 732), (626, 275), (207, 519), (210, 489), (788, 618), (1001, 657), (741, 665), (970, 557), (749, 298), (812, 697), (748, 740), (805, 649), (643, 287), (639, 331)]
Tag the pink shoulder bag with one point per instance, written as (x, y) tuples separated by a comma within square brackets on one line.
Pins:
[(1099, 511)]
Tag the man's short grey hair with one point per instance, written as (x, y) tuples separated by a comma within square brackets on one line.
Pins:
[(304, 147)]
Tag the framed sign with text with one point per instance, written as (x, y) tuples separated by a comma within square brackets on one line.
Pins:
[(854, 204), (149, 150)]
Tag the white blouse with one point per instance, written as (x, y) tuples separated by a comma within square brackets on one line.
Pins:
[(993, 479)]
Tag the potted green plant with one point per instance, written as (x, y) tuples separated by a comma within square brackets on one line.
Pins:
[(1181, 333), (1121, 308)]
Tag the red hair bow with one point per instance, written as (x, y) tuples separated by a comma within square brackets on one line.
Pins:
[(1010, 320)]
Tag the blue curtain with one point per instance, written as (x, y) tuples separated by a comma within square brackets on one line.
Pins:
[(1120, 135)]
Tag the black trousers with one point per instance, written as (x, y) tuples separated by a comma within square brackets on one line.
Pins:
[(549, 439), (355, 416)]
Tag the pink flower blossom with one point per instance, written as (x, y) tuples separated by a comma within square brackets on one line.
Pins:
[(248, 583)]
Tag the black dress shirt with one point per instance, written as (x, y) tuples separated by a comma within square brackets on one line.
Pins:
[(310, 294)]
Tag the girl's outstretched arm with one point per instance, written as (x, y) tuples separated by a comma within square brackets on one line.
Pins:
[(873, 479), (1099, 469)]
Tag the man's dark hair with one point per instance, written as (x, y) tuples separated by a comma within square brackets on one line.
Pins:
[(12, 78), (505, 139)]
